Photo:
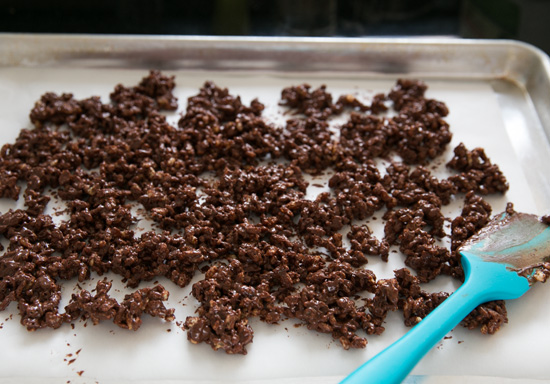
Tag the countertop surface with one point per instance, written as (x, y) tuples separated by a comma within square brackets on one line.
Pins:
[(523, 20)]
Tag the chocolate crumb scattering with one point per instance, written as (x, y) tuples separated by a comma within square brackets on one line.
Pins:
[(227, 192)]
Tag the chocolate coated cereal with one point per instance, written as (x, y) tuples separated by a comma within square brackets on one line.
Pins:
[(267, 251)]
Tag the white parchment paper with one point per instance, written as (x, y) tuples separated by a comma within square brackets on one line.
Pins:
[(159, 351)]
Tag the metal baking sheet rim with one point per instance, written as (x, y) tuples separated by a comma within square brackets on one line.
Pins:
[(522, 64), (303, 380)]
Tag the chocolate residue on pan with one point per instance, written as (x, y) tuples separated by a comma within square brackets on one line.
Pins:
[(226, 191)]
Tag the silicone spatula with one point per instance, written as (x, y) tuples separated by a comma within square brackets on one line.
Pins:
[(500, 262)]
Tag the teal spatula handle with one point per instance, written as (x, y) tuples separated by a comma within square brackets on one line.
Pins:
[(484, 282)]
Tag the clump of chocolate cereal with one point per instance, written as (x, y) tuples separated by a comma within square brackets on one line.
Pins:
[(266, 250)]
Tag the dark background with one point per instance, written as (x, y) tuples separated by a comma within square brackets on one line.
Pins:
[(525, 20)]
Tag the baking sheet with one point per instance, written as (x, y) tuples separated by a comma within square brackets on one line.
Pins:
[(498, 114)]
